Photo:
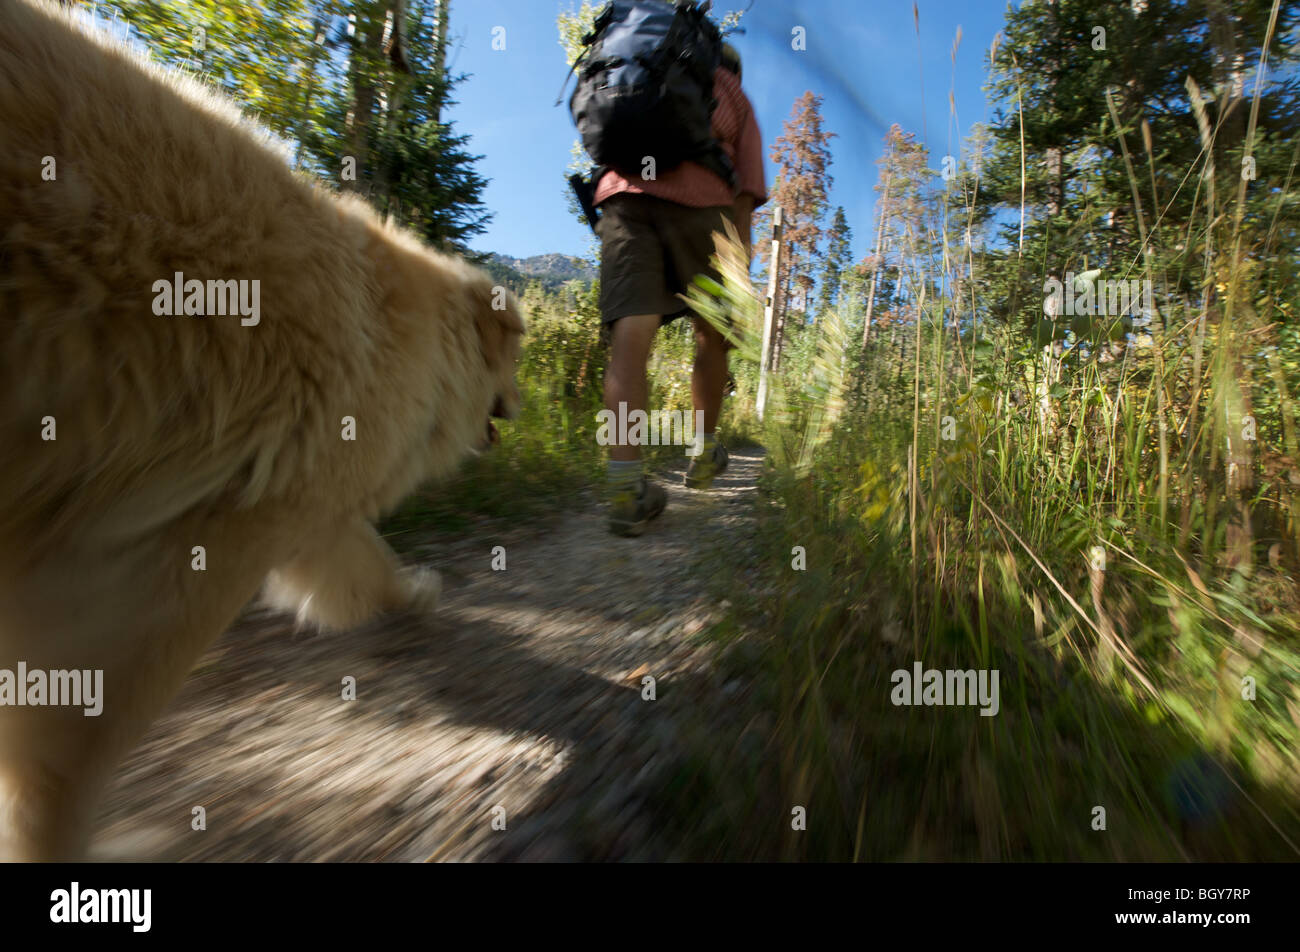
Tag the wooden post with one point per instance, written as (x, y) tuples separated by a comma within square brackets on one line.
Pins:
[(769, 311)]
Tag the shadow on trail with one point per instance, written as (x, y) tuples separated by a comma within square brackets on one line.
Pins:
[(521, 703), (524, 677)]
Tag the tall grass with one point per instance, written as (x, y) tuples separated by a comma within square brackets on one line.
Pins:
[(550, 454), (1087, 519)]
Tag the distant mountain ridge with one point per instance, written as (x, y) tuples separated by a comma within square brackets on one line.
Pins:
[(551, 269)]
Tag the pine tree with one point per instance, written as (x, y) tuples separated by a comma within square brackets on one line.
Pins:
[(801, 189), (359, 78), (263, 56), (839, 239), (899, 212), (1172, 169), (1068, 69), (388, 114)]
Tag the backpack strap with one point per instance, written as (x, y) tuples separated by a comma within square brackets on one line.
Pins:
[(585, 190), (602, 21), (718, 162), (715, 159)]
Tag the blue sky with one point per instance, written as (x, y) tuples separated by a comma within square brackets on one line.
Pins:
[(861, 57)]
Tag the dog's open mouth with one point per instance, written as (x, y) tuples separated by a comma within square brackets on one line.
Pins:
[(498, 412)]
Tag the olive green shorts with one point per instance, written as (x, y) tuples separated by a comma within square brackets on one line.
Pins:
[(650, 250)]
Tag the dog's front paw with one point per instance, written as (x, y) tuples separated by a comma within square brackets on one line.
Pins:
[(421, 589)]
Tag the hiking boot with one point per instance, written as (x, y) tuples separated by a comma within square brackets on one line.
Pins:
[(699, 475), (632, 508)]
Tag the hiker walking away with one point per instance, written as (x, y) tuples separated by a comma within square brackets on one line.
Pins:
[(695, 129)]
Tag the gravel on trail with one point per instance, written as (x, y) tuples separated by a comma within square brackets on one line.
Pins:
[(519, 704)]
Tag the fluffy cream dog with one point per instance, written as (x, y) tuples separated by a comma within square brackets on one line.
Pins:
[(159, 467)]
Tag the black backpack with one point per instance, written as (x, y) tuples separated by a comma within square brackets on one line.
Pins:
[(645, 87)]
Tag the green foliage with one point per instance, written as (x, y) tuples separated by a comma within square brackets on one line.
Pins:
[(329, 88), (1071, 500), (839, 239), (260, 54), (548, 455), (550, 452), (1068, 499)]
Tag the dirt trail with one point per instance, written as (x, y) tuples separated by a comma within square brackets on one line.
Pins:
[(524, 692)]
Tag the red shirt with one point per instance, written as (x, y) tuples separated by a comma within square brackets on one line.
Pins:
[(690, 183)]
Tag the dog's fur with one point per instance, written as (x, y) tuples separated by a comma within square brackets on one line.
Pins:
[(177, 432)]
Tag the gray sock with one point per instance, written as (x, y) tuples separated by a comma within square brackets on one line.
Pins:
[(623, 473)]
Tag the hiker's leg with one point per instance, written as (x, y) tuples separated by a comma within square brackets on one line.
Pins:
[(690, 241), (625, 377), (710, 372)]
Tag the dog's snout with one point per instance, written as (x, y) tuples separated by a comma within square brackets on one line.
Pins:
[(505, 408)]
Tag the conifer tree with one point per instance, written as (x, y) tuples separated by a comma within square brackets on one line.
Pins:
[(801, 190)]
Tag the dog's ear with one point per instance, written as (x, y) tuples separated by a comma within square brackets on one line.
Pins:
[(497, 316)]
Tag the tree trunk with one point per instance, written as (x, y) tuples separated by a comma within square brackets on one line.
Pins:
[(395, 36), (1052, 154), (1055, 182), (309, 84), (875, 272), (440, 51), (394, 48), (1239, 467), (367, 38), (778, 333)]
